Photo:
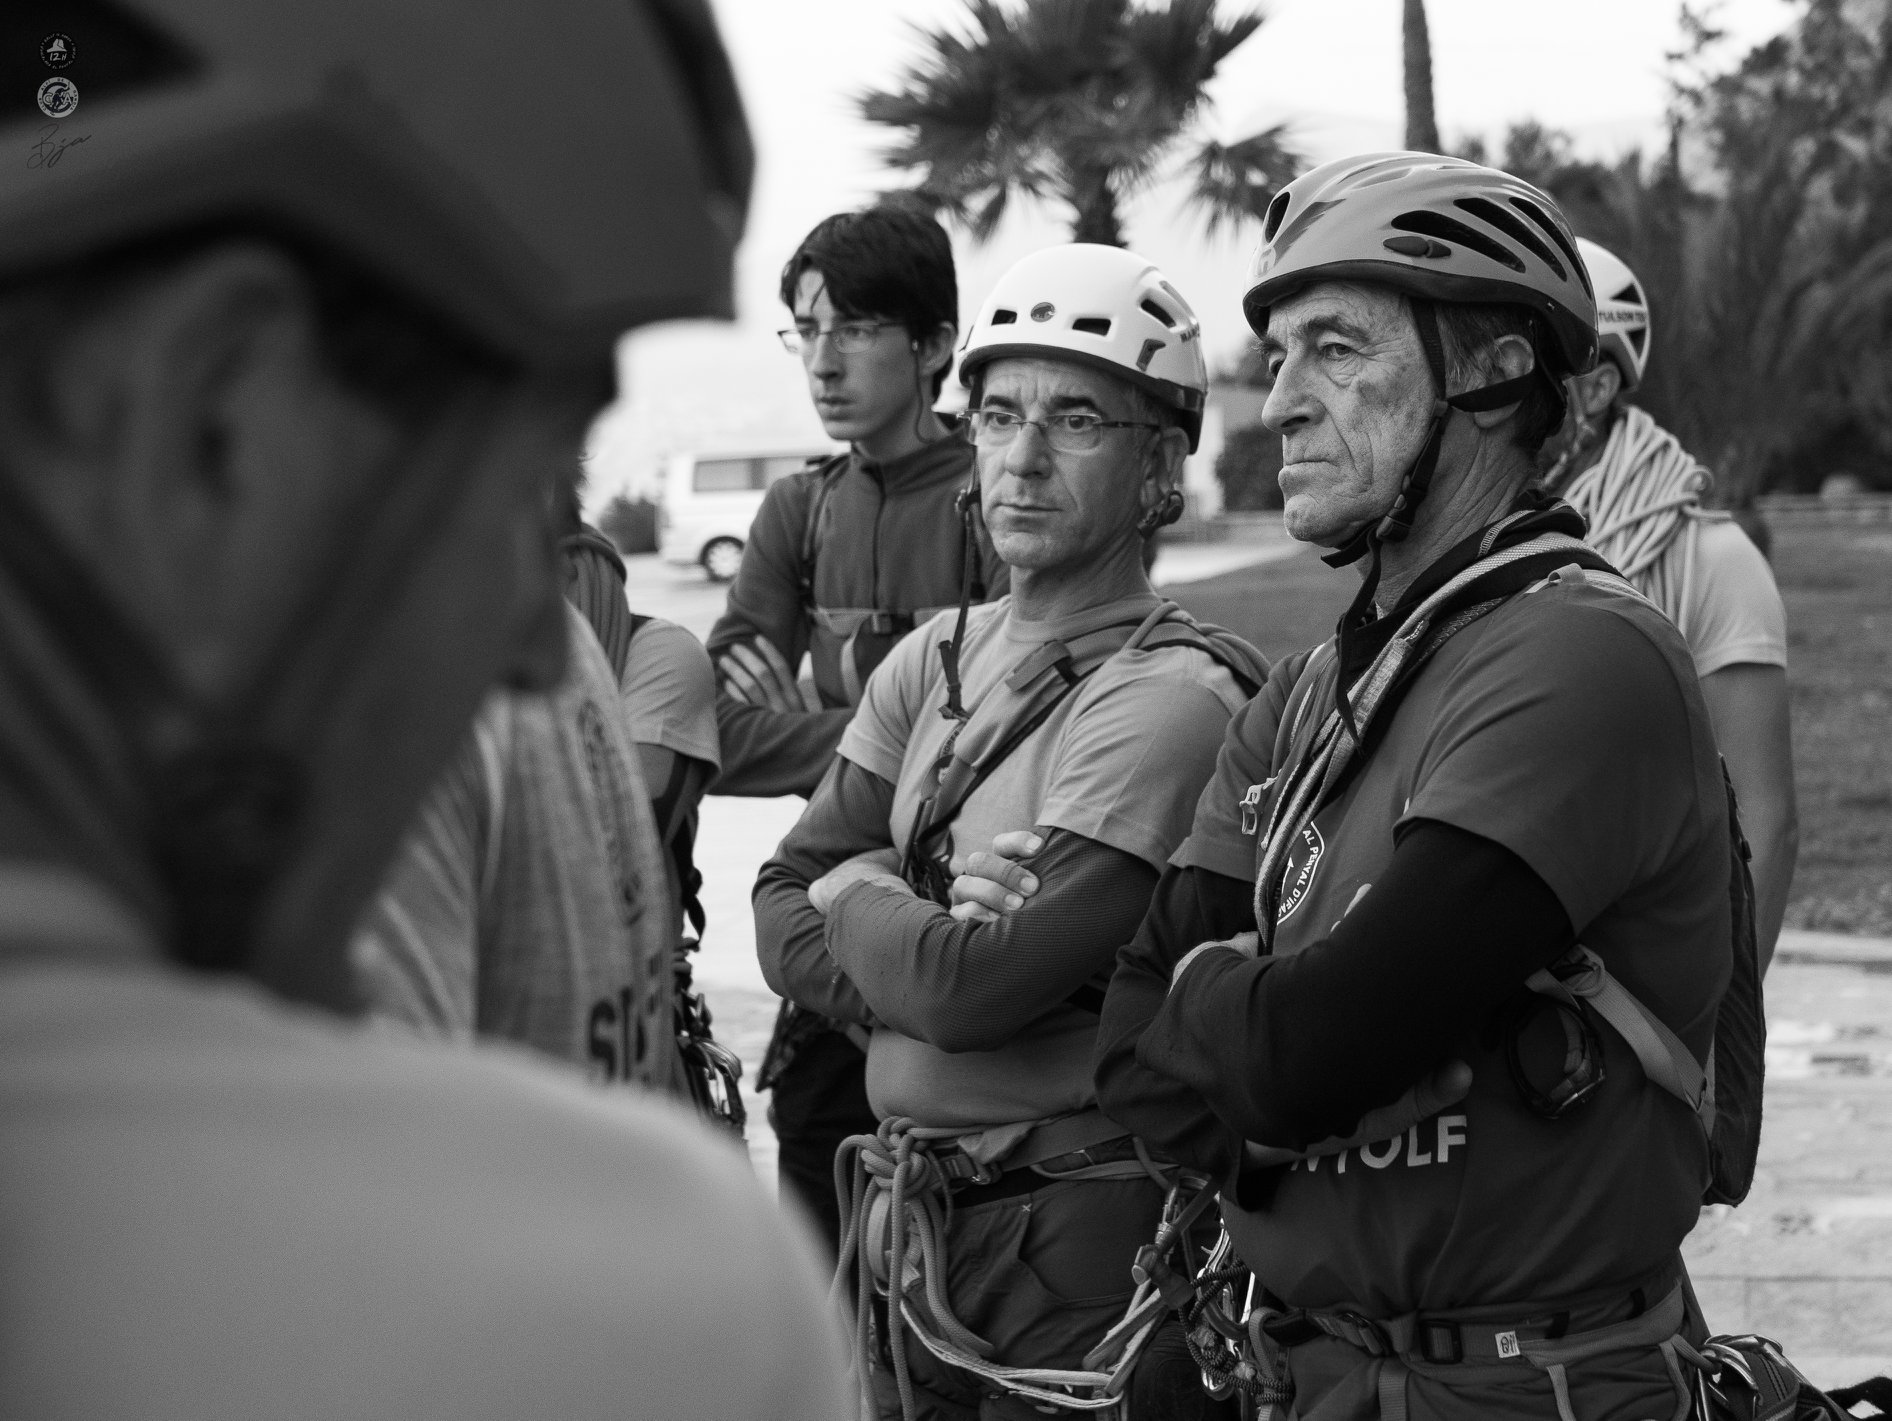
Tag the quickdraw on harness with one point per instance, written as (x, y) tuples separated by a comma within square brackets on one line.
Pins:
[(849, 623), (894, 1188)]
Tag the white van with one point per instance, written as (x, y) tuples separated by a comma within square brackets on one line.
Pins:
[(710, 499)]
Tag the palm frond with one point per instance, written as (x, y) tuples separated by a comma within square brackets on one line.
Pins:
[(1234, 183), (1078, 100)]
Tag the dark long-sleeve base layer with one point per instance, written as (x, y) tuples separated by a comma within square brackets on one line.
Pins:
[(886, 957), (1294, 1050)]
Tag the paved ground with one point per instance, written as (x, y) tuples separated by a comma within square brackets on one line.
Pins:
[(1807, 1259)]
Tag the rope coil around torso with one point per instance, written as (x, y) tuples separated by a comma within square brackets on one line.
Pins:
[(1638, 498), (894, 1191)]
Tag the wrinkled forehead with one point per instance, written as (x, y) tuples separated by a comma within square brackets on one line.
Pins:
[(1033, 382), (1363, 309)]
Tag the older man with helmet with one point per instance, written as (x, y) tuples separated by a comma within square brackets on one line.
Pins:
[(1080, 714), (1358, 998), (1642, 493), (297, 343)]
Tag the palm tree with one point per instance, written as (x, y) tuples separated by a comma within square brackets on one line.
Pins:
[(1422, 127), (1076, 101), (1771, 287)]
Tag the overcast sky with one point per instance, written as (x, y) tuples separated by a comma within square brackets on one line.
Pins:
[(1330, 68)]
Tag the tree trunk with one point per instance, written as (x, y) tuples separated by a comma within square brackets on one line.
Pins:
[(1096, 205), (1422, 128)]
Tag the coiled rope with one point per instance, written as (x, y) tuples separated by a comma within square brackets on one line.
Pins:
[(1638, 498), (894, 1169)]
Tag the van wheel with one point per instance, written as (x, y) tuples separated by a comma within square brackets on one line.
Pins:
[(721, 558)]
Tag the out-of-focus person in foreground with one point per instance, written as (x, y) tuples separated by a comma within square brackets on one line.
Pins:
[(293, 344)]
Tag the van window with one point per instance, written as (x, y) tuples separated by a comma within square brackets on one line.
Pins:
[(781, 466), (724, 476)]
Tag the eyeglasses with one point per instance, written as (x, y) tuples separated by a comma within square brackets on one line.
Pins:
[(1065, 433), (850, 337)]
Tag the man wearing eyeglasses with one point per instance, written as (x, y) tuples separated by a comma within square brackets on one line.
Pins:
[(842, 561), (1087, 708)]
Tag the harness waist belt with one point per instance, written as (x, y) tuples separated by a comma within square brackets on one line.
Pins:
[(1048, 1141), (1546, 1336)]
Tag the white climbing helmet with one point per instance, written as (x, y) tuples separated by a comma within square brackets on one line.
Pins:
[(1098, 306), (1622, 311)]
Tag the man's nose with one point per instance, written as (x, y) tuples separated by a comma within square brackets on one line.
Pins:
[(823, 359), (1289, 404), (1028, 455)]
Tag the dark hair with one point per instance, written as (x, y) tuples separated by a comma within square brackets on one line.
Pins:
[(890, 260), (1467, 331)]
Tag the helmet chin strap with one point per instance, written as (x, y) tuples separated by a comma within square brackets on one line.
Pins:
[(1395, 525)]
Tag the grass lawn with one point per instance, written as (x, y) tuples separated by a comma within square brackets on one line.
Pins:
[(1837, 584)]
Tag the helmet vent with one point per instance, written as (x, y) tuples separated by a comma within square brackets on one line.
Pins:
[(1630, 294), (1638, 339), (1002, 317), (1092, 325), (1150, 347), (1515, 230), (1450, 229), (1160, 314), (1276, 211), (1556, 234)]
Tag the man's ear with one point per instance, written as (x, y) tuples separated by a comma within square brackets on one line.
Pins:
[(1599, 389), (936, 350), (1169, 451), (1507, 357), (222, 460)]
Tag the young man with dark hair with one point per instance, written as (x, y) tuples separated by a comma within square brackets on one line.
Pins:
[(844, 559)]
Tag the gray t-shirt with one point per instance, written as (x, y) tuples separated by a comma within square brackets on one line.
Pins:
[(670, 693), (1725, 601), (1121, 760), (530, 900)]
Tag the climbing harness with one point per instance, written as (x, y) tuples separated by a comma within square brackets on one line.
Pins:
[(1644, 492), (1316, 770), (895, 1190), (1008, 715), (1317, 773)]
